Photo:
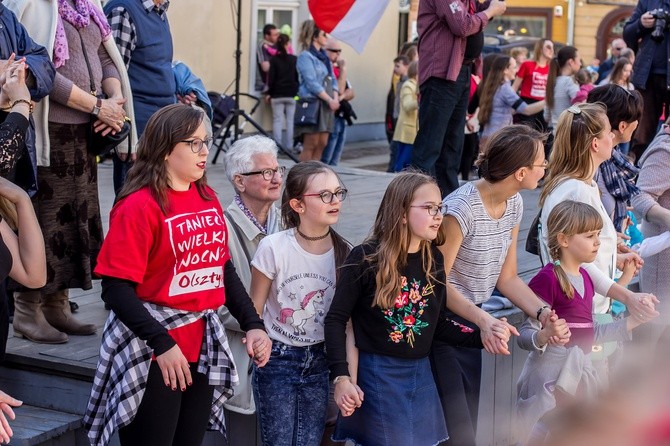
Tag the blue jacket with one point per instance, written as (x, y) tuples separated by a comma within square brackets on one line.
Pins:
[(311, 72), (15, 39), (639, 39), (188, 82)]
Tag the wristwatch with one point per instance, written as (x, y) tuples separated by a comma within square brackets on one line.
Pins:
[(96, 108)]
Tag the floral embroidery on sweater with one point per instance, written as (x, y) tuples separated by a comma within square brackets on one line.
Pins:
[(405, 315)]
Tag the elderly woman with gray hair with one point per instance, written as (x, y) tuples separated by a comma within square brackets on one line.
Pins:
[(252, 168)]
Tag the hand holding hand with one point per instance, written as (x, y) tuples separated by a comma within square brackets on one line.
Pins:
[(556, 330), (495, 335), (348, 396), (642, 306), (259, 346), (629, 257), (175, 369), (13, 81)]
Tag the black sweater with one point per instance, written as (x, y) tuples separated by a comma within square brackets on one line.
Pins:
[(407, 329), (120, 295), (283, 76)]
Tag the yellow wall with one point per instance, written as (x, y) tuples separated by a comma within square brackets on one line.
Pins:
[(587, 20), (559, 31)]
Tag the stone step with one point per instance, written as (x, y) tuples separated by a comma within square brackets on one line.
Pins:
[(44, 427)]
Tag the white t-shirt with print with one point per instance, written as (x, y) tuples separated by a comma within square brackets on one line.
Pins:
[(303, 285)]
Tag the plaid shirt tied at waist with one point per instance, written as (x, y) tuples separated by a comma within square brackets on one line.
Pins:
[(123, 369)]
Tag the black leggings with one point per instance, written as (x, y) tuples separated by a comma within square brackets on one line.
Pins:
[(170, 417)]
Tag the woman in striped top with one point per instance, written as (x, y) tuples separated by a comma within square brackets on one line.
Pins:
[(482, 225)]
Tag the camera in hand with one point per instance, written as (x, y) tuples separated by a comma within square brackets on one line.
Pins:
[(662, 19)]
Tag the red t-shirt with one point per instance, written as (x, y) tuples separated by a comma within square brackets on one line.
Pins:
[(176, 260), (534, 83)]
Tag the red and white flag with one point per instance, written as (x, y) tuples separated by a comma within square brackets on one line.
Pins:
[(350, 21)]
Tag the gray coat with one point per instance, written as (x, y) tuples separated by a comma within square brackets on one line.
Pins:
[(654, 184)]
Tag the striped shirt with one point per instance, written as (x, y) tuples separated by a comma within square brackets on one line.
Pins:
[(485, 241)]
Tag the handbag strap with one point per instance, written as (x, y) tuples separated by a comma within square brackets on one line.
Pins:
[(93, 90)]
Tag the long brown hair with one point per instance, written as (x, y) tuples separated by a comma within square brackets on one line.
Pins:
[(295, 185), (8, 213), (393, 237), (308, 32), (571, 153), (165, 129), (537, 49), (569, 218), (617, 72), (494, 80), (557, 63)]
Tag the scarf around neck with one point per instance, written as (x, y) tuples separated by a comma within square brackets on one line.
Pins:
[(619, 177), (80, 17), (322, 56)]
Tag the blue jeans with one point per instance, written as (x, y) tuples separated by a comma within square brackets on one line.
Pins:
[(333, 151), (291, 394), (439, 143), (403, 156)]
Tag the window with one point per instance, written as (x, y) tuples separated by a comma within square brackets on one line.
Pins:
[(282, 13), (517, 25)]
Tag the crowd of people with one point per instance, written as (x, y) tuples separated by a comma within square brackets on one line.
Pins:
[(379, 343)]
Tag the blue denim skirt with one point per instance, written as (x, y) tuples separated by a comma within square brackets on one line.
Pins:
[(400, 406)]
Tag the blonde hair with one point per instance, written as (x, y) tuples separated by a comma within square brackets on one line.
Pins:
[(308, 32), (8, 213), (569, 218), (393, 238), (571, 154)]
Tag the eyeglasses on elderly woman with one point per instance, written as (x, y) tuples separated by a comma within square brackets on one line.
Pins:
[(268, 174)]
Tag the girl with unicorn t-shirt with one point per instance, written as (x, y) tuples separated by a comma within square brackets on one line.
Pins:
[(292, 284)]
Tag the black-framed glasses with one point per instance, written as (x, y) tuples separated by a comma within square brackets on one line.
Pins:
[(432, 209), (267, 174), (327, 196), (332, 50), (196, 144)]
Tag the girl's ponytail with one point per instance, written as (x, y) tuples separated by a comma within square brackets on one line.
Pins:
[(554, 71), (563, 280)]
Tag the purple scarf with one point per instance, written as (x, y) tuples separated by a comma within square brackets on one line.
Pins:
[(79, 17)]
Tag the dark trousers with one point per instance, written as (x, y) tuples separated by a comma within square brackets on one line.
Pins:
[(458, 373), (121, 169), (439, 142), (656, 98), (470, 149), (170, 417)]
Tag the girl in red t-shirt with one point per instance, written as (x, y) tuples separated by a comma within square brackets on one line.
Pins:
[(166, 269), (531, 82)]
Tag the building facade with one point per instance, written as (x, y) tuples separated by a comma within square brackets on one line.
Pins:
[(205, 39)]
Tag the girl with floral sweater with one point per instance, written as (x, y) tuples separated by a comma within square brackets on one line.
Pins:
[(393, 287)]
